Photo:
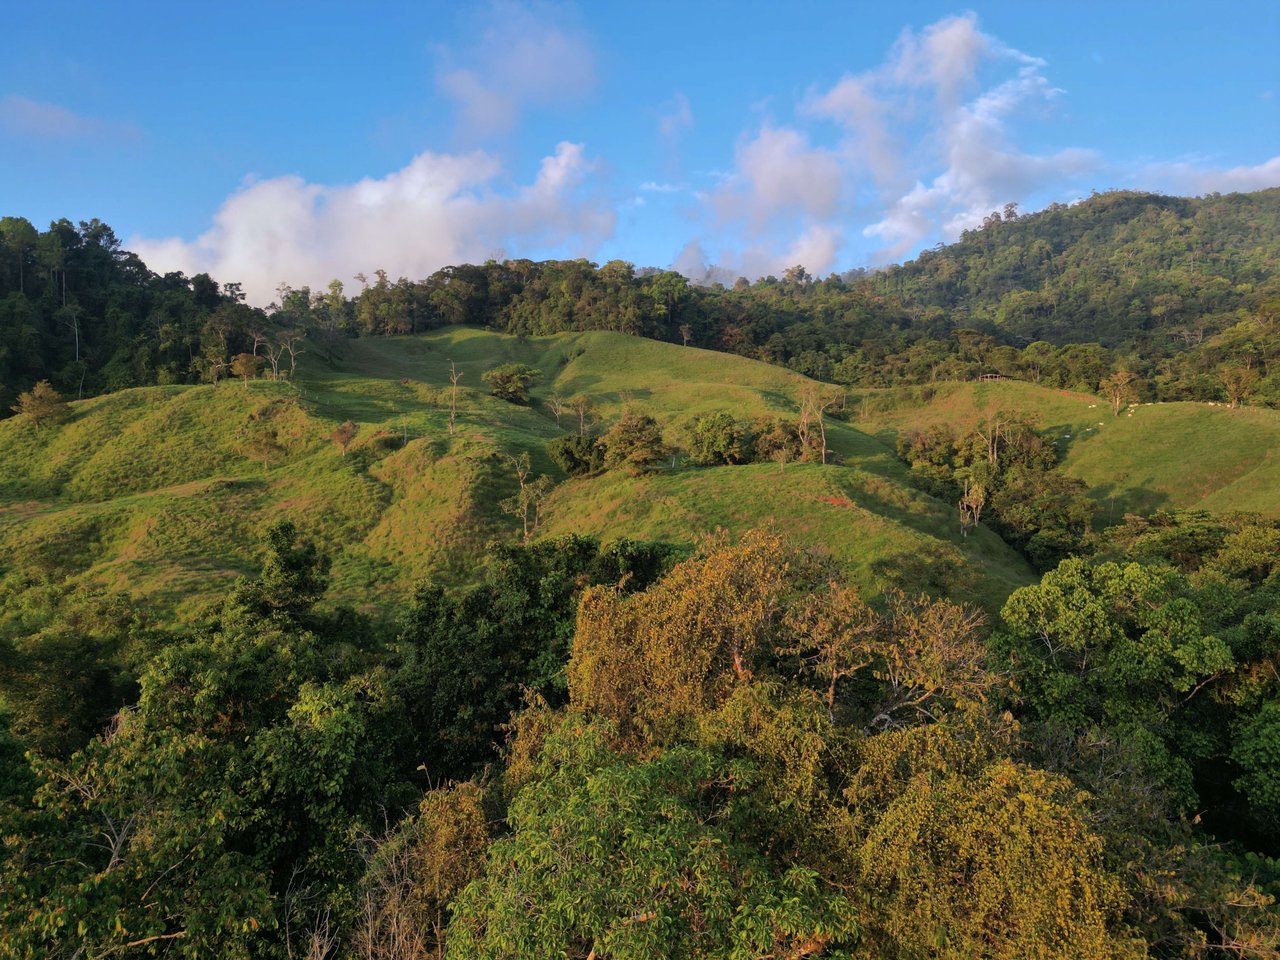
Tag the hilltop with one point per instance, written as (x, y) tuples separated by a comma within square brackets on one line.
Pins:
[(1117, 267)]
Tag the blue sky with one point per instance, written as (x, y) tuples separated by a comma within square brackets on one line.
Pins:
[(272, 143)]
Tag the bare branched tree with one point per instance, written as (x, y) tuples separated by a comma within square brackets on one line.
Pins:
[(454, 376), (972, 501)]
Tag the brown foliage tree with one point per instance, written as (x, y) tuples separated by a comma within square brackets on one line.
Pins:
[(412, 874), (344, 435), (660, 658), (42, 404), (927, 655)]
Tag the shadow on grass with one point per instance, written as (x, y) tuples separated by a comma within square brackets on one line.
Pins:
[(1116, 499), (935, 569)]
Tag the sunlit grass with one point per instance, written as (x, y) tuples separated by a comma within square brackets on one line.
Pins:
[(158, 491)]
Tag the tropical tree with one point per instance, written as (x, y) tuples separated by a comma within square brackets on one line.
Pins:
[(511, 382), (246, 365), (1118, 388), (344, 434), (634, 442), (42, 405), (576, 455), (526, 505), (1239, 383), (719, 439), (1121, 648), (632, 860)]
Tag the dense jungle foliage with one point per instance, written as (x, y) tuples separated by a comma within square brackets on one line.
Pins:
[(943, 704), (596, 752)]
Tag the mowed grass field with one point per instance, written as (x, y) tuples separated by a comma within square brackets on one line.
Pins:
[(163, 491)]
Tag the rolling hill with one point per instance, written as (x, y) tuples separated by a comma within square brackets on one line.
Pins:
[(1153, 455), (161, 491)]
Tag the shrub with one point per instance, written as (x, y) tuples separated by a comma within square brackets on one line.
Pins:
[(511, 382), (634, 442), (576, 456), (719, 439)]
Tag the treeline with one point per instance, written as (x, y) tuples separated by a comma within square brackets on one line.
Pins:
[(1121, 267), (1182, 293), (608, 752), (80, 312)]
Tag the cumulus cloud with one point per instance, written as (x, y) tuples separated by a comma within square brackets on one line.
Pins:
[(35, 119), (815, 248), (778, 173), (523, 57), (779, 198), (962, 161), (925, 146), (982, 169), (870, 145), (439, 209), (944, 56)]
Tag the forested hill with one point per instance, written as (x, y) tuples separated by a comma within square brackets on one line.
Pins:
[(1117, 267), (78, 310)]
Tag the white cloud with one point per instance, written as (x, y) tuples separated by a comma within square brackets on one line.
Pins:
[(779, 172), (522, 58), (869, 143), (925, 147), (815, 248), (983, 171), (937, 138), (776, 201), (439, 209), (38, 120), (944, 55), (1194, 178)]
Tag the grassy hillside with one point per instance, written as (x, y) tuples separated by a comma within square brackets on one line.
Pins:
[(1152, 455), (161, 491)]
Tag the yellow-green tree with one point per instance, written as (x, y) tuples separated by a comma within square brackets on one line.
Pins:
[(42, 405), (655, 660), (634, 443)]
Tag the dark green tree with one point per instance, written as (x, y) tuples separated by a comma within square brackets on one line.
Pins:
[(634, 443), (511, 382)]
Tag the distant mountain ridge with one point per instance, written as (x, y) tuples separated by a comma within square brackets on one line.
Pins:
[(1119, 266)]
